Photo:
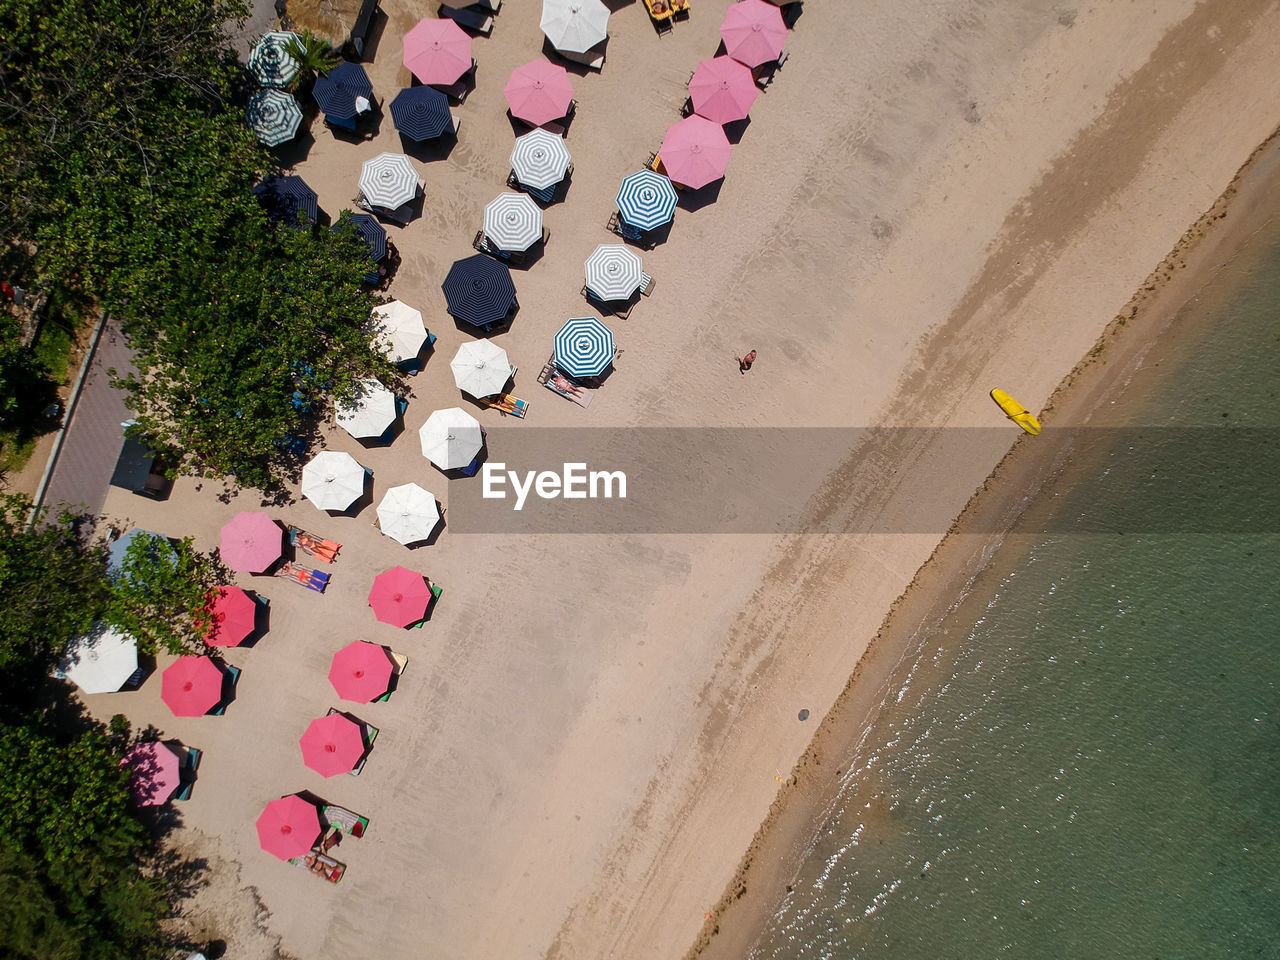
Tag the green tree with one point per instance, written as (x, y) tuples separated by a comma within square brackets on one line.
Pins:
[(314, 56), (158, 594)]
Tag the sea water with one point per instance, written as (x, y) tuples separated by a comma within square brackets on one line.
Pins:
[(1083, 760)]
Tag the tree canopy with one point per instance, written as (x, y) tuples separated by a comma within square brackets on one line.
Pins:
[(158, 596)]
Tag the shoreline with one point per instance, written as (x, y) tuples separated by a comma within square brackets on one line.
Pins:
[(1148, 323)]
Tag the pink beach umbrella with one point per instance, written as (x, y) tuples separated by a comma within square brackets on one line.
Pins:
[(332, 745), (753, 32), (437, 51), (154, 772), (191, 686), (399, 597), (288, 827), (723, 90), (695, 151), (360, 672), (251, 542), (539, 92), (232, 615)]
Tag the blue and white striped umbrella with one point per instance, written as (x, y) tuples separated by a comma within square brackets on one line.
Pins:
[(647, 200), (512, 221), (273, 115), (584, 347), (270, 61), (614, 272), (421, 113), (389, 180), (540, 159)]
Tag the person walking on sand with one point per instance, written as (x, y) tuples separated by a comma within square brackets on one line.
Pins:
[(744, 363)]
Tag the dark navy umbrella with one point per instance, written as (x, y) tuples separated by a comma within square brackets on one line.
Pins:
[(421, 113), (336, 92), (479, 290), (285, 196), (371, 232)]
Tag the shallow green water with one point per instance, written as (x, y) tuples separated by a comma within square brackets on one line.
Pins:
[(1084, 761)]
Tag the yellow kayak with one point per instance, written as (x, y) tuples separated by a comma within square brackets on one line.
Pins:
[(1016, 412)]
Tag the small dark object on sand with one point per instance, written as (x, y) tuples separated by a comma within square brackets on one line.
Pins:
[(804, 714)]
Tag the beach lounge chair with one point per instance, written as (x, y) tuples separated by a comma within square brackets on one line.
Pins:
[(187, 774), (318, 547), (320, 865), (505, 404), (483, 244), (568, 388), (627, 232), (470, 18), (345, 820), (311, 579), (646, 284), (400, 660), (228, 687)]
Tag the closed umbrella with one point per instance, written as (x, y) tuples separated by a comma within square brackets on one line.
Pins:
[(371, 232), (614, 272), (251, 542), (397, 330), (288, 827), (337, 91), (575, 25), (451, 438), (584, 347), (270, 62), (408, 513), (480, 368), (191, 686), (332, 745), (388, 180), (370, 412), (232, 616), (399, 597), (361, 671), (289, 200), (647, 200), (274, 115), (540, 159), (695, 151), (333, 480), (539, 91), (512, 221), (154, 772), (753, 32), (437, 51), (421, 113), (723, 90), (100, 661), (479, 290)]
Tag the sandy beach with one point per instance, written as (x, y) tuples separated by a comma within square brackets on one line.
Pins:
[(931, 199)]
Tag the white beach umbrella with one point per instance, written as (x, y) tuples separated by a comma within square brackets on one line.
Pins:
[(575, 25), (480, 368), (389, 180), (333, 480), (540, 159), (513, 221), (408, 513), (451, 438), (100, 661), (370, 413), (614, 272), (397, 330)]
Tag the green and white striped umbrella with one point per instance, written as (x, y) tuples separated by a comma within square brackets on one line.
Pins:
[(274, 116), (270, 61)]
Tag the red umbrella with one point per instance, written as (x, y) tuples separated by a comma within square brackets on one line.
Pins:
[(191, 686), (723, 90), (399, 597), (288, 827), (361, 672), (332, 745), (437, 51), (232, 614), (251, 542), (540, 91), (154, 772), (695, 151), (753, 32)]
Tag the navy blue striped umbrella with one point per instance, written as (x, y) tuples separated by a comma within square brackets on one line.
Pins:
[(647, 200), (371, 232), (284, 197), (479, 290), (336, 92), (584, 347), (421, 113)]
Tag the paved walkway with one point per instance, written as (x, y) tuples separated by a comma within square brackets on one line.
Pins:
[(88, 456)]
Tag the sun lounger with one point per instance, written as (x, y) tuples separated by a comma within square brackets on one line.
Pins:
[(345, 820), (187, 773), (592, 59), (318, 547), (399, 659), (570, 389), (507, 404), (311, 579), (471, 19), (321, 866), (646, 284)]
